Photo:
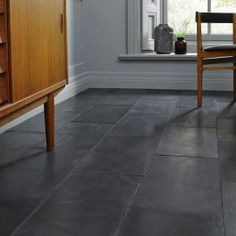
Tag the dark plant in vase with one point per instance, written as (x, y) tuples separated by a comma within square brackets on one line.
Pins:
[(181, 44)]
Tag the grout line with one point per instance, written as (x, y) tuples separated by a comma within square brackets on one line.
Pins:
[(221, 185)]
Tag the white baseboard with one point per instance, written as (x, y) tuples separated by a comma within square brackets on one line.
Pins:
[(179, 81)]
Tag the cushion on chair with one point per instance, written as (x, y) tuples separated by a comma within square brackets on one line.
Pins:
[(222, 48)]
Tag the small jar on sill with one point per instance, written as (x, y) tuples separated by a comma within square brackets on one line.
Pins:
[(180, 46)]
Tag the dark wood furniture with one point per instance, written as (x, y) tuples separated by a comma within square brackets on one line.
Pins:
[(216, 54), (33, 58)]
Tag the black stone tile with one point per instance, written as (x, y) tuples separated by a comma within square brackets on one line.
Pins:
[(229, 171), (103, 114), (90, 190), (131, 91), (84, 205), (226, 130), (227, 151), (120, 155), (191, 101), (67, 219), (162, 96), (13, 212), (186, 141), (41, 171), (226, 109), (142, 125), (80, 138), (78, 104), (189, 185), (224, 96), (120, 99), (36, 124), (188, 117), (229, 185), (150, 222), (229, 195), (157, 106), (37, 176), (16, 146), (229, 223)]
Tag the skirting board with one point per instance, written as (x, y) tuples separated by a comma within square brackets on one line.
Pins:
[(77, 85), (178, 81)]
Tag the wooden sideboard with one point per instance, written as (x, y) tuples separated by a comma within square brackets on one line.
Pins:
[(33, 58)]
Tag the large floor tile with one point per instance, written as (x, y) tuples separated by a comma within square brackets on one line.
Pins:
[(228, 170), (150, 222), (13, 212), (40, 172), (181, 184), (15, 146), (229, 222), (186, 141), (78, 104), (226, 130), (193, 118), (143, 125), (103, 114), (37, 176), (161, 96), (157, 106), (227, 151), (36, 124), (226, 109), (84, 205), (191, 101), (120, 155), (79, 138), (120, 99)]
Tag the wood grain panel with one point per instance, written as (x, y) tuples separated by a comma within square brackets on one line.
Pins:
[(38, 46)]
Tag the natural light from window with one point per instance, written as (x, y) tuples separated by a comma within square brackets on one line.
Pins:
[(180, 11)]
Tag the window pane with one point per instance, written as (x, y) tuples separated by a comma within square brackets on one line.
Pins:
[(181, 10), (223, 6)]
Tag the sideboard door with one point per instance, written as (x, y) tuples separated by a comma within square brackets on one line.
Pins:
[(38, 45)]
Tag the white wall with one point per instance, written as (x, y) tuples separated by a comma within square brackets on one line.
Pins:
[(105, 32)]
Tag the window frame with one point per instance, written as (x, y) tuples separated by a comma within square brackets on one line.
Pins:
[(134, 28), (192, 37)]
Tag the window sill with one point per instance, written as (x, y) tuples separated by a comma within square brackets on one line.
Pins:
[(158, 57)]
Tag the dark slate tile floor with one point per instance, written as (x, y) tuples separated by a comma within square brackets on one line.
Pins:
[(126, 163)]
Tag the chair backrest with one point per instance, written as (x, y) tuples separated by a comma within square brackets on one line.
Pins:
[(212, 17)]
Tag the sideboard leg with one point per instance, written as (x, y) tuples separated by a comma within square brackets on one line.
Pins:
[(49, 111)]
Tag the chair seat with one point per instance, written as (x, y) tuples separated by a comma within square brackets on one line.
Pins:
[(222, 48)]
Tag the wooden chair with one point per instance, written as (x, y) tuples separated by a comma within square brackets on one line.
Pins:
[(216, 54)]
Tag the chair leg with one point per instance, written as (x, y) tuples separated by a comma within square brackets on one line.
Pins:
[(199, 75), (234, 81)]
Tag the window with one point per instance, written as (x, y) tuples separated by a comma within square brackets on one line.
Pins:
[(179, 11), (151, 18), (176, 12)]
